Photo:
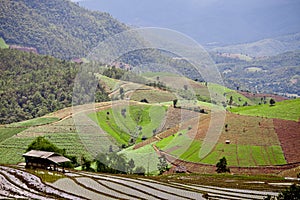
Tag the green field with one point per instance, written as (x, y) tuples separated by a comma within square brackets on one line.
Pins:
[(34, 122), (152, 96), (136, 121), (3, 45), (14, 147), (14, 140), (145, 157), (9, 132), (238, 99), (288, 110), (182, 146)]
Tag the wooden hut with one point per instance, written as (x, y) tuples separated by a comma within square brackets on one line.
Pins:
[(44, 159)]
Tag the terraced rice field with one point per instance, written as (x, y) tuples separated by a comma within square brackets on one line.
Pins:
[(253, 142), (17, 183)]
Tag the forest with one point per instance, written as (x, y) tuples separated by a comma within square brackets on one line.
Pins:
[(32, 85), (63, 33)]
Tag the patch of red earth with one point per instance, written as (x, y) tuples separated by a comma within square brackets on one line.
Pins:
[(254, 95), (289, 136)]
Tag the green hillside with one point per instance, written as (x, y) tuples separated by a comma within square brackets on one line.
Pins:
[(133, 122), (59, 28), (3, 45), (289, 110)]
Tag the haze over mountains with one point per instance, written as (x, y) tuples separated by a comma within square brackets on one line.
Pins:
[(209, 21)]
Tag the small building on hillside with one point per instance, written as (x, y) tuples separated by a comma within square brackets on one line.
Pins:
[(44, 159)]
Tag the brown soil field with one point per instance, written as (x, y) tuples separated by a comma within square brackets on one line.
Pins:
[(289, 136)]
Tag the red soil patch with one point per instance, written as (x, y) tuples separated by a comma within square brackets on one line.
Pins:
[(289, 136)]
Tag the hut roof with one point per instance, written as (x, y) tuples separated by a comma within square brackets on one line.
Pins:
[(51, 156)]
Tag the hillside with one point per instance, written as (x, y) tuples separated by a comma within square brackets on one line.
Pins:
[(3, 44), (288, 110), (34, 85), (59, 28), (265, 47), (275, 74)]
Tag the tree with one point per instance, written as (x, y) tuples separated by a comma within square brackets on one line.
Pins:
[(162, 166), (175, 102), (222, 166), (140, 171), (292, 193), (102, 163), (272, 102), (86, 164), (131, 166), (42, 144), (230, 101)]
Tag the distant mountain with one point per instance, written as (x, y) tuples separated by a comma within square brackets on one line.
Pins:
[(59, 28), (265, 47), (209, 21), (274, 74)]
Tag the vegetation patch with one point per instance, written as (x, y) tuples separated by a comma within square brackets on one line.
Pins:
[(3, 45), (35, 122), (6, 132), (130, 124), (288, 110), (152, 96), (246, 155), (145, 157)]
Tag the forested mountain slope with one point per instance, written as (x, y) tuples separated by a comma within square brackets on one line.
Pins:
[(33, 85), (58, 27)]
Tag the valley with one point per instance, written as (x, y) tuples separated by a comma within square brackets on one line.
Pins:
[(107, 111)]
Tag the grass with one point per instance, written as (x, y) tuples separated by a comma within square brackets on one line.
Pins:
[(122, 127), (145, 157), (34, 122), (3, 45), (6, 132), (152, 96), (46, 176), (238, 99), (288, 110), (12, 148), (245, 155)]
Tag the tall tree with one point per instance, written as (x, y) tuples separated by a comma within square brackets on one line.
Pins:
[(162, 165), (222, 166)]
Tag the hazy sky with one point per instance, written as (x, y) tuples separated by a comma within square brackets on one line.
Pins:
[(223, 21)]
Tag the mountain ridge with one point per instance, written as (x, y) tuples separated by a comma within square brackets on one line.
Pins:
[(59, 28)]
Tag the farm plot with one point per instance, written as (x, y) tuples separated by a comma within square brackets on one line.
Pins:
[(123, 123), (289, 136), (143, 157), (253, 142), (70, 186), (150, 190), (96, 186), (20, 184), (14, 147), (34, 122), (288, 110), (6, 132)]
